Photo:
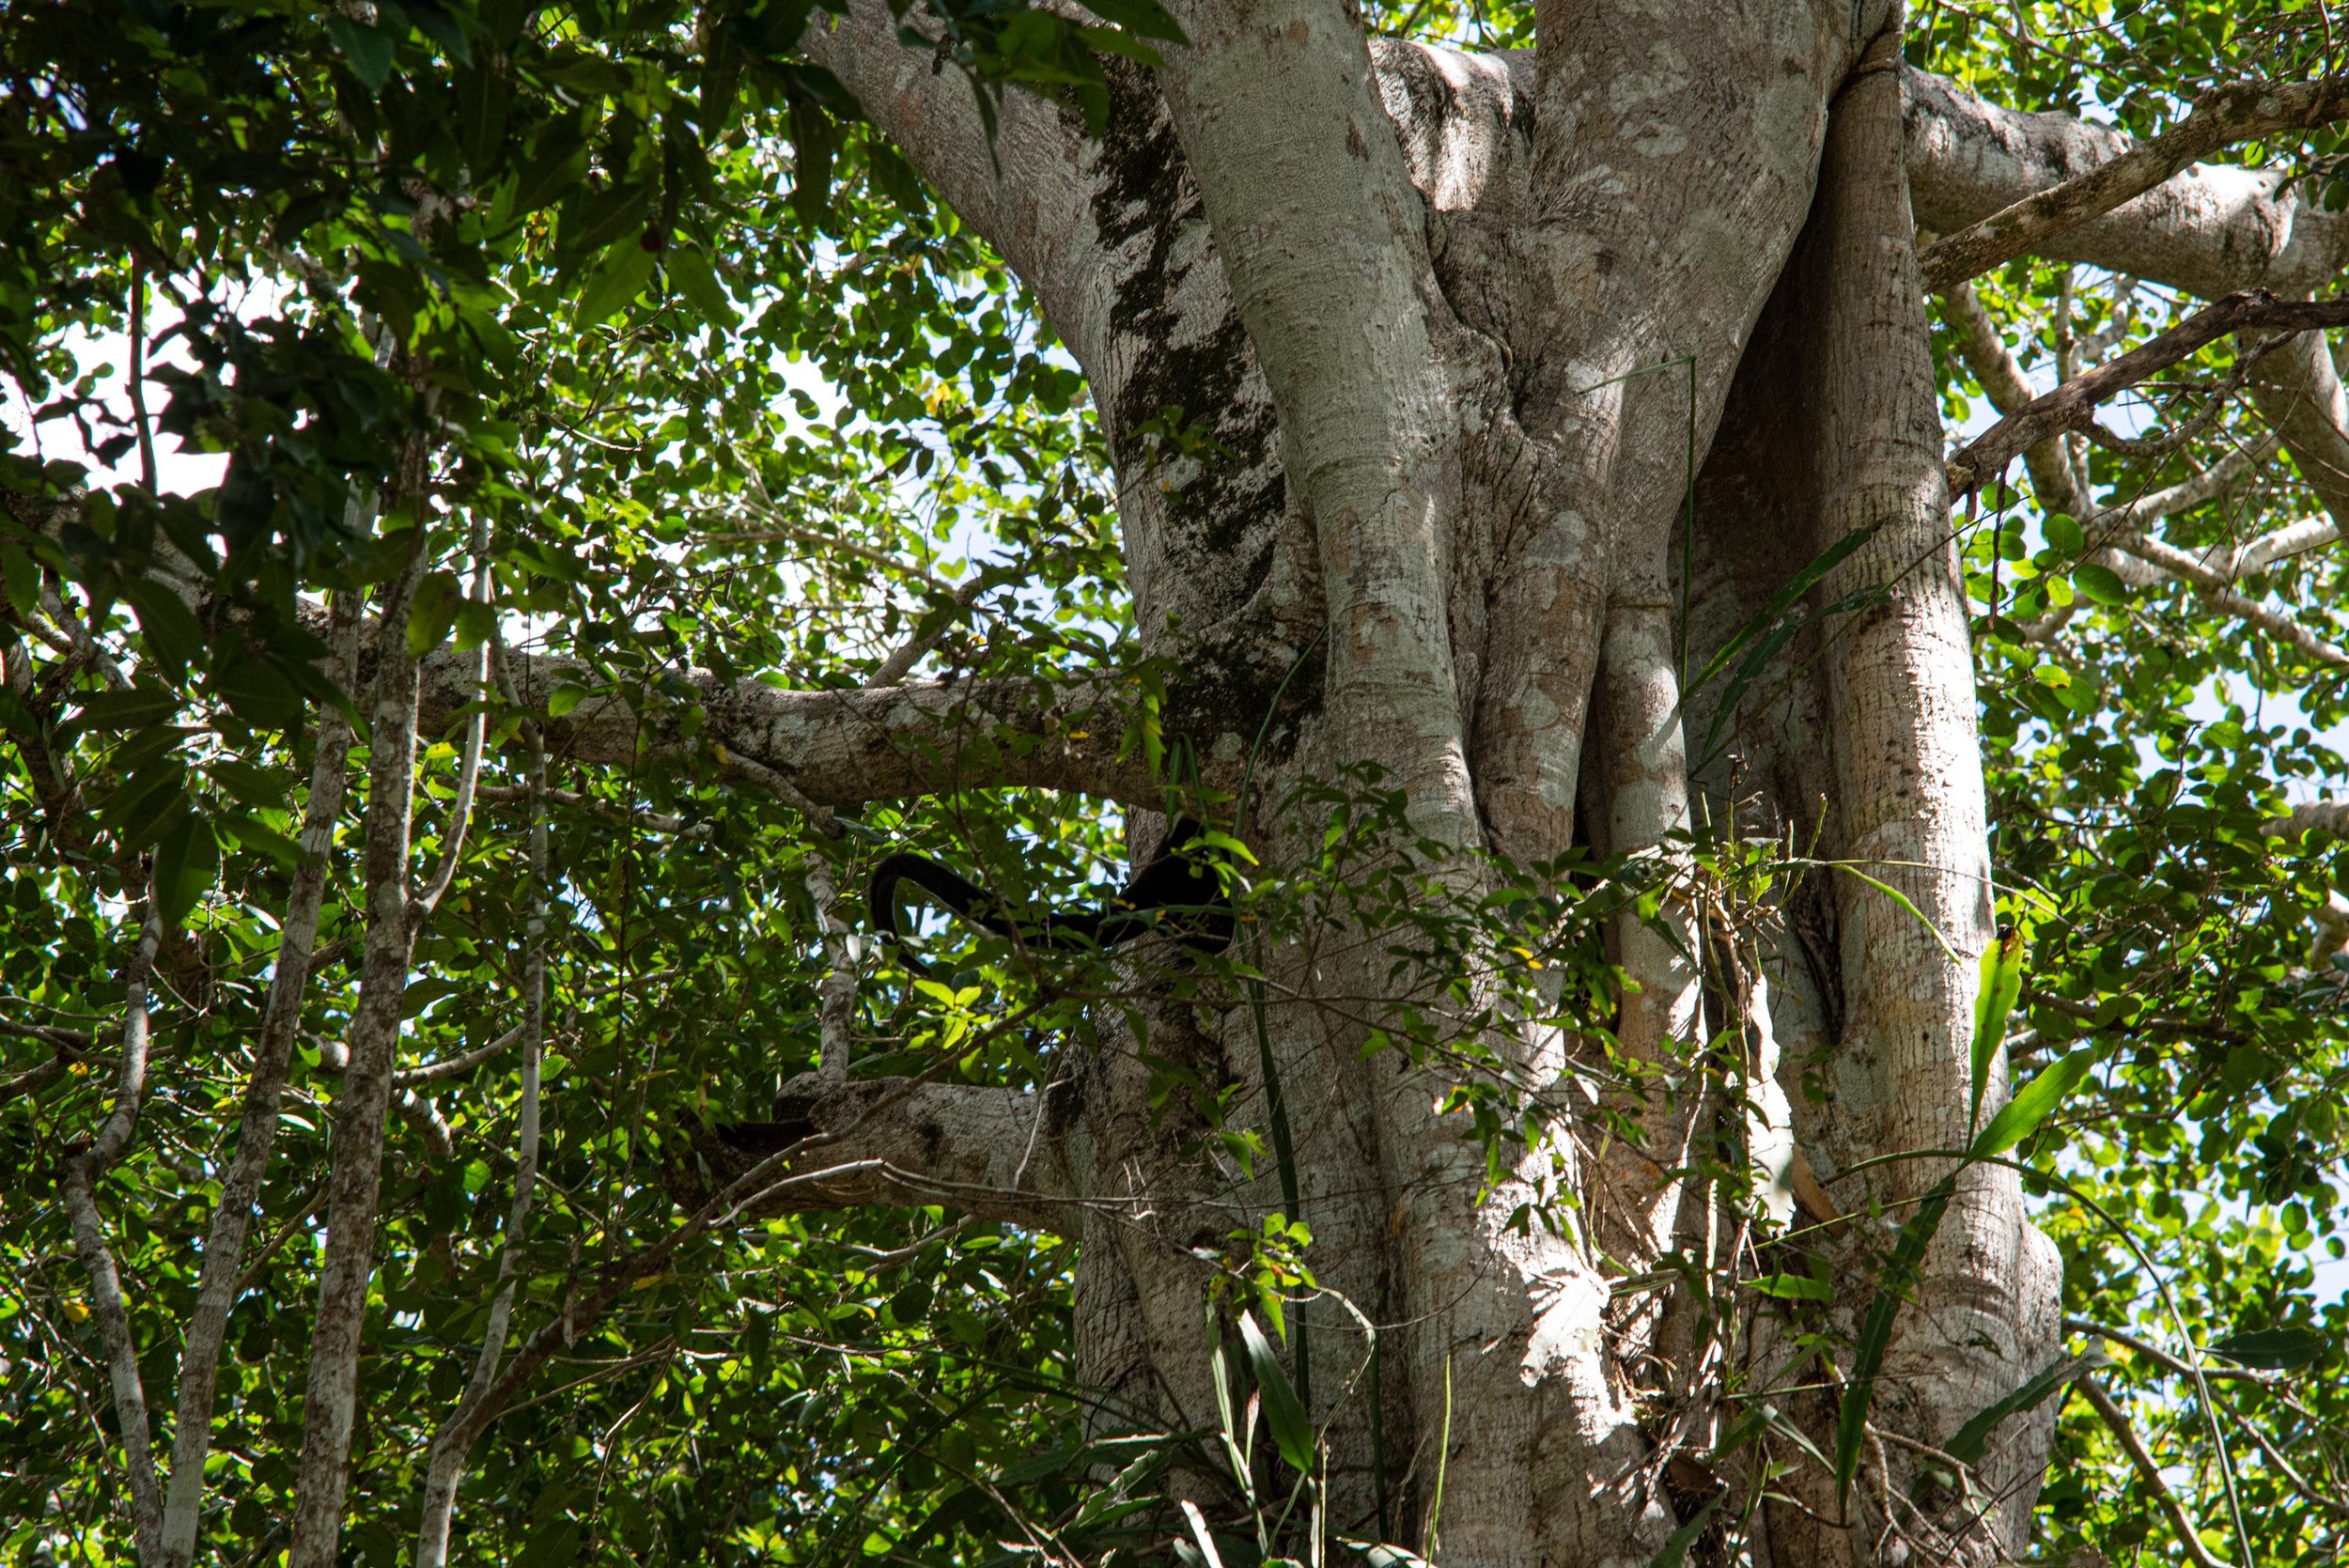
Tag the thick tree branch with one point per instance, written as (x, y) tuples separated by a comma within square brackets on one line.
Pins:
[(1985, 353), (2331, 816), (2161, 1358), (354, 1182), (659, 822), (2145, 563), (2209, 229), (994, 1153), (2299, 394), (1026, 189), (798, 1159), (2138, 558), (1324, 240), (2239, 113), (2278, 544), (838, 748), (2070, 405)]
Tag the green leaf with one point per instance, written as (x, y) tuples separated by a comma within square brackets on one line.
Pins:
[(422, 993), (1795, 1288), (1292, 1429), (432, 612), (594, 219), (22, 576), (2100, 584), (140, 807), (172, 633), (250, 833), (1208, 1554), (1875, 1329), (476, 621), (1377, 1554), (894, 178), (690, 272), (1146, 17), (1994, 1003), (563, 699), (2274, 1349), (1676, 1544), (2033, 1103), (552, 1542), (1769, 616), (814, 140), (627, 267), (427, 18), (2063, 534), (187, 863), (1225, 1412), (1974, 1436), (557, 163), (134, 708), (369, 50)]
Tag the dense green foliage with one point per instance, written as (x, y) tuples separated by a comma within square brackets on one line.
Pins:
[(725, 388)]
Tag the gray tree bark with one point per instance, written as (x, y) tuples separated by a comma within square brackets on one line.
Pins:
[(1459, 324), (1464, 329)]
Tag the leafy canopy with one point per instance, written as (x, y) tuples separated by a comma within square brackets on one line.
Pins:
[(726, 388)]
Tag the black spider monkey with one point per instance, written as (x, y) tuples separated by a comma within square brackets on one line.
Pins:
[(1176, 891)]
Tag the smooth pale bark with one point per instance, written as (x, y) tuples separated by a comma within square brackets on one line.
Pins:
[(1461, 326), (1640, 784), (2210, 230), (241, 1186), (1466, 549), (1907, 764), (843, 747), (2239, 112), (355, 1151), (1454, 460), (2298, 391), (83, 1169)]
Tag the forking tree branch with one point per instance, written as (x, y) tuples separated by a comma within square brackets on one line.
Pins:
[(2114, 534), (2070, 405), (2149, 1472), (2237, 113), (2210, 229)]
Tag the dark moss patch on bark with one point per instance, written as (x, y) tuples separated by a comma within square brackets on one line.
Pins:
[(1238, 696), (1145, 202)]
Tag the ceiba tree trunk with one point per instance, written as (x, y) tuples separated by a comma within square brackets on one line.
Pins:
[(1457, 325)]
